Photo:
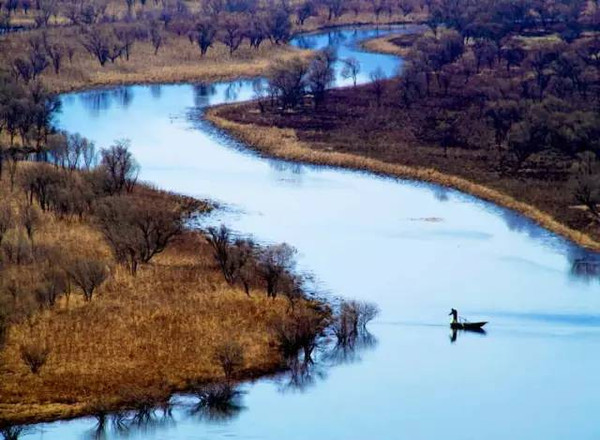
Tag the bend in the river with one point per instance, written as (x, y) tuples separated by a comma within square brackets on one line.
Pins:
[(415, 249)]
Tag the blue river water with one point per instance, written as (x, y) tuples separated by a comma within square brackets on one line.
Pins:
[(414, 249)]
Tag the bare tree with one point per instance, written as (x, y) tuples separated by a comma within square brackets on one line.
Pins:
[(38, 184), (275, 262), (46, 9), (156, 38), (230, 355), (256, 31), (55, 51), (120, 167), (232, 34), (351, 319), (586, 183), (102, 44), (30, 220), (288, 80), (220, 239), (305, 10), (137, 231), (70, 49), (17, 249), (6, 220), (298, 332), (205, 34), (88, 154), (127, 36), (243, 263), (278, 25), (378, 84), (320, 76), (54, 283), (351, 69), (88, 275)]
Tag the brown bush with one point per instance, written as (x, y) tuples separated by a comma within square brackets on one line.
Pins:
[(17, 248), (54, 283), (230, 355), (299, 331), (30, 220), (137, 230), (88, 275), (275, 264), (34, 355), (6, 220)]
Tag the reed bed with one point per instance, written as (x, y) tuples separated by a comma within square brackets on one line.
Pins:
[(156, 332), (176, 61)]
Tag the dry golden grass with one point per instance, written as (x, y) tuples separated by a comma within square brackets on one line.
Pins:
[(284, 143), (155, 331), (363, 18), (177, 61), (385, 45)]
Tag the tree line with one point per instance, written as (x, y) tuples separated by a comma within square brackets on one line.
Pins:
[(519, 82)]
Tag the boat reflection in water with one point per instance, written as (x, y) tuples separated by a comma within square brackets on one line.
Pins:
[(455, 331)]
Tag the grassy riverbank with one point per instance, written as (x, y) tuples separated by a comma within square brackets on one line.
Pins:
[(343, 138), (140, 338), (177, 60)]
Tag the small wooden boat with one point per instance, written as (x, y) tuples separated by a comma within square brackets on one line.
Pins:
[(467, 325)]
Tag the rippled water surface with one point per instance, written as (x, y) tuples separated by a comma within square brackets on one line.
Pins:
[(415, 249)]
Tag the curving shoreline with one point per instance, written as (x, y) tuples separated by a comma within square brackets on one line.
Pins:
[(288, 146), (284, 144)]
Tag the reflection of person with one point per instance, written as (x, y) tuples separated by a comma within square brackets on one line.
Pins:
[(453, 336), (454, 314)]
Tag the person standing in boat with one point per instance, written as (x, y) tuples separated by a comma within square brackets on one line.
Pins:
[(454, 314)]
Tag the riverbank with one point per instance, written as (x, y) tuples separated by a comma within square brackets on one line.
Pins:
[(178, 60), (140, 338), (282, 138)]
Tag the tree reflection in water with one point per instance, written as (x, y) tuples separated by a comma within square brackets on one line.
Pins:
[(222, 402), (303, 373), (156, 91), (14, 432), (99, 101), (202, 94), (146, 419), (96, 101), (218, 403), (586, 268)]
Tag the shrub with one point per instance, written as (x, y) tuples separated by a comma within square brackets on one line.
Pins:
[(217, 402), (351, 320), (137, 231), (230, 356), (275, 263), (34, 355), (17, 249), (6, 220), (38, 182), (299, 331), (30, 220), (53, 284), (88, 275)]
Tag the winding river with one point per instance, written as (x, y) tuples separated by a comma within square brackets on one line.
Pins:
[(415, 249)]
